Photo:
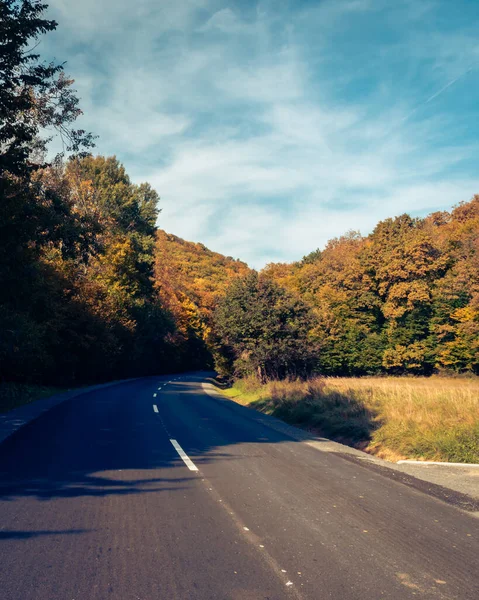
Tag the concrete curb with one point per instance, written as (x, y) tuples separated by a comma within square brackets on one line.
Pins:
[(433, 462), (13, 420)]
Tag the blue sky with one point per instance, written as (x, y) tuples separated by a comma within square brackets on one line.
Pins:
[(270, 127)]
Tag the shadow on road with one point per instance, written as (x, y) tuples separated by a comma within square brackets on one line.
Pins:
[(26, 535), (110, 442)]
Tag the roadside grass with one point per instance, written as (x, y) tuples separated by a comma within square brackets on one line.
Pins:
[(13, 395), (430, 418)]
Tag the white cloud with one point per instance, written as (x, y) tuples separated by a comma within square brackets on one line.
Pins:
[(279, 81), (263, 132), (90, 19), (226, 21)]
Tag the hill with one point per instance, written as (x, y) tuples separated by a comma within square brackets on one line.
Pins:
[(190, 279)]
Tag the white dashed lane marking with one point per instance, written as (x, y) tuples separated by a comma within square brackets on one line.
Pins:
[(155, 408), (185, 458)]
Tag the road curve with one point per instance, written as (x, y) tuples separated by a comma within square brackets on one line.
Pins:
[(97, 502)]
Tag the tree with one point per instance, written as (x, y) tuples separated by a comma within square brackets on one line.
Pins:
[(347, 317), (266, 329), (455, 320), (36, 216), (121, 272), (34, 98), (402, 260), (33, 95)]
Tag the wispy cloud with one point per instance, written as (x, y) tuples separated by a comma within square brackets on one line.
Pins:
[(268, 129)]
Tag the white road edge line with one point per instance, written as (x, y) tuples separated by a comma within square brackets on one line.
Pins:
[(188, 462), (155, 408)]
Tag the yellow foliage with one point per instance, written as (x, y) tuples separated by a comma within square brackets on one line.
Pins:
[(405, 357), (468, 313), (190, 279)]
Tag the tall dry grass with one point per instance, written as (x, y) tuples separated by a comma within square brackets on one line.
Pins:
[(435, 418)]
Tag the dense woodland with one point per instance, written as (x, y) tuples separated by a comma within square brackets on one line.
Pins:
[(190, 280), (404, 299), (91, 289)]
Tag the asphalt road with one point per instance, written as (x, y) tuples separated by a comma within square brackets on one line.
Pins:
[(96, 503)]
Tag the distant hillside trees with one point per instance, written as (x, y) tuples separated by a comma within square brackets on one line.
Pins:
[(404, 299), (190, 279)]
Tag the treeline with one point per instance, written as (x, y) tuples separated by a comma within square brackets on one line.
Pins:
[(90, 289), (404, 299), (87, 291), (77, 296), (96, 291)]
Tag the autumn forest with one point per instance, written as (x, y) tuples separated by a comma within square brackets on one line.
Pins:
[(91, 289)]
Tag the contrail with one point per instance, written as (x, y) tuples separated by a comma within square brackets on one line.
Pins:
[(436, 94), (448, 85)]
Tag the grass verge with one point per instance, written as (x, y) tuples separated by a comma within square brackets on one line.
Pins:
[(13, 395), (435, 418)]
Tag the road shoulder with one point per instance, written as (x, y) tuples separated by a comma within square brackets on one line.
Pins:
[(456, 486), (13, 420)]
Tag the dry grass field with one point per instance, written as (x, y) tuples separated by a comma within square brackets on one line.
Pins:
[(434, 418)]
